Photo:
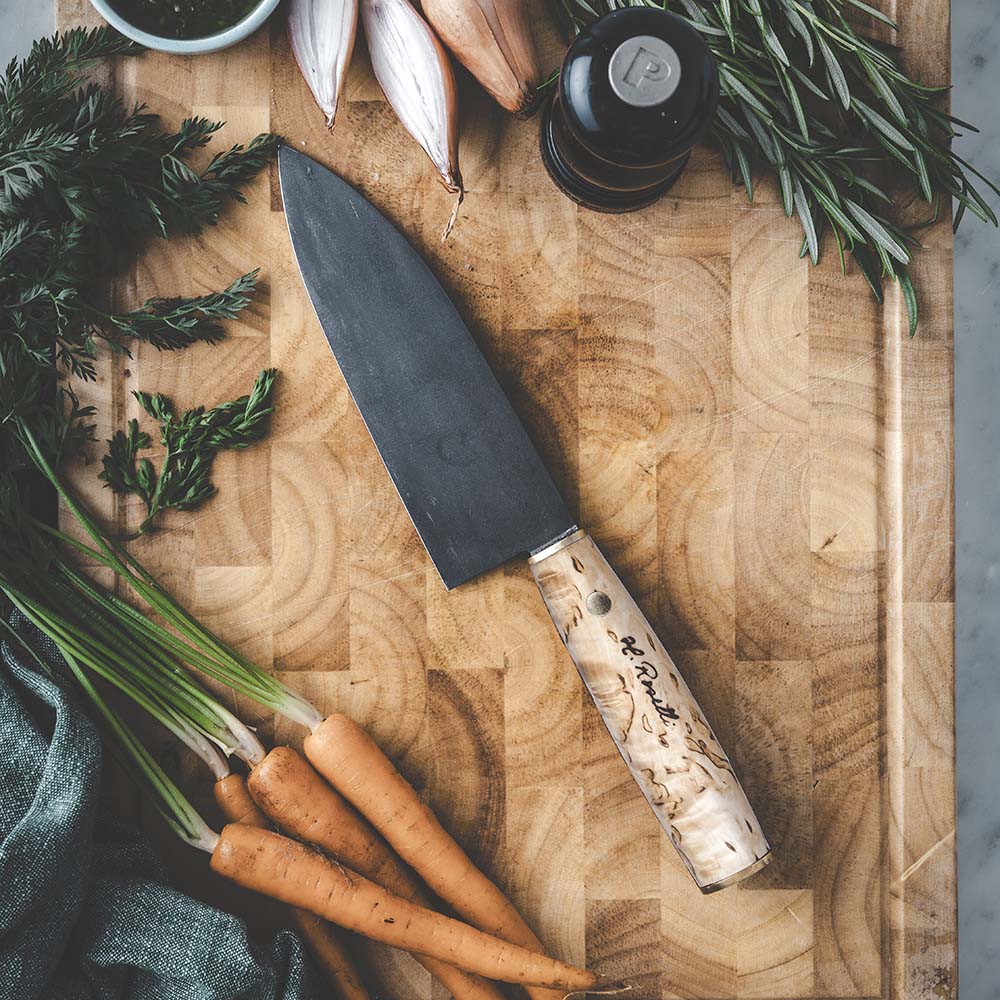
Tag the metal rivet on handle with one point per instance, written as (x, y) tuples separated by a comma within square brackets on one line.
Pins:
[(598, 603)]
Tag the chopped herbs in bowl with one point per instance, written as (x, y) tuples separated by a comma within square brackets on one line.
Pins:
[(186, 26), (184, 18)]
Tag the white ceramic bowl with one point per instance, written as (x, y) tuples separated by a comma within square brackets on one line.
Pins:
[(189, 46)]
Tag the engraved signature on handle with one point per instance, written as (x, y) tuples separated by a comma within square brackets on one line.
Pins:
[(647, 674)]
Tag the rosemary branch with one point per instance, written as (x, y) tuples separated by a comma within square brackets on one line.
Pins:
[(830, 113)]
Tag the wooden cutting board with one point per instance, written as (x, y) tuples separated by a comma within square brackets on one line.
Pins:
[(758, 447)]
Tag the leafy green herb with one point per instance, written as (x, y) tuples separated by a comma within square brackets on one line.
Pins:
[(169, 324), (807, 96), (190, 441), (84, 182)]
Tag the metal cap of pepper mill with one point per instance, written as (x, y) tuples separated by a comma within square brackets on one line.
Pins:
[(637, 90)]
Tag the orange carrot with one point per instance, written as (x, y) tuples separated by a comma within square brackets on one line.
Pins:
[(233, 798), (302, 804), (323, 939), (288, 789), (353, 763), (331, 954), (287, 870)]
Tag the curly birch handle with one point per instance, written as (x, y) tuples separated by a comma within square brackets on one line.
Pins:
[(651, 715)]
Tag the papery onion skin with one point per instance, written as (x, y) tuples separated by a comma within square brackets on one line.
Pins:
[(322, 33), (492, 40), (415, 74)]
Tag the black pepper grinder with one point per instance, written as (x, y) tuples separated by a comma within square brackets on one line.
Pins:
[(637, 90)]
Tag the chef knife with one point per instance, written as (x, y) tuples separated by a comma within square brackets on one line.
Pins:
[(478, 494)]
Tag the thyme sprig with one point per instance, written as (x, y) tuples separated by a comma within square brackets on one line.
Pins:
[(832, 115)]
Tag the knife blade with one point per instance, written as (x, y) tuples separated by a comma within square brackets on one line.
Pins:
[(479, 495), (471, 481)]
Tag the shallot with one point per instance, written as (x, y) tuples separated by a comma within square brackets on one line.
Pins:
[(415, 74), (322, 33), (492, 39)]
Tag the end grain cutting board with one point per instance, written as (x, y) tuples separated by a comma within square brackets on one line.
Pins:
[(758, 448)]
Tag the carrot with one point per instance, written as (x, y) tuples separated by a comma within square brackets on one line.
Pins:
[(294, 873), (233, 798), (353, 763), (324, 941), (297, 799), (302, 804), (333, 957)]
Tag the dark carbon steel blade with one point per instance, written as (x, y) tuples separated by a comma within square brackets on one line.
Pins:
[(464, 466)]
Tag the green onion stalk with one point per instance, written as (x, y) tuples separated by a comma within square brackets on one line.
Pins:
[(107, 644), (181, 640), (179, 814), (95, 641), (105, 640)]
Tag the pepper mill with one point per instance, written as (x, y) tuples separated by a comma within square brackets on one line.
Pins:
[(636, 91)]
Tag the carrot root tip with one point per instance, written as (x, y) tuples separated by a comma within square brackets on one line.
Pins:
[(604, 988)]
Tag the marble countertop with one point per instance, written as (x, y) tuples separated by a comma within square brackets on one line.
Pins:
[(976, 75), (975, 50)]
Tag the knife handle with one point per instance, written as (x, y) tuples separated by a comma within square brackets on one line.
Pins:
[(652, 716)]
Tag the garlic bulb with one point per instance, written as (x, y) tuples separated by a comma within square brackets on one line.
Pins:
[(413, 70), (492, 39), (322, 36)]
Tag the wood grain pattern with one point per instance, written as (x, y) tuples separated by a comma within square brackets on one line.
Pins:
[(759, 449)]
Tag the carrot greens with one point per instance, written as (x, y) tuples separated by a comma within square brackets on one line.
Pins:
[(191, 441), (85, 182)]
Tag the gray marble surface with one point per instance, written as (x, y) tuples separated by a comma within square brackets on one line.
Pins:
[(20, 22), (976, 74)]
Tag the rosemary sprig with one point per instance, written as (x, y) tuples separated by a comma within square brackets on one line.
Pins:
[(190, 441), (829, 113)]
